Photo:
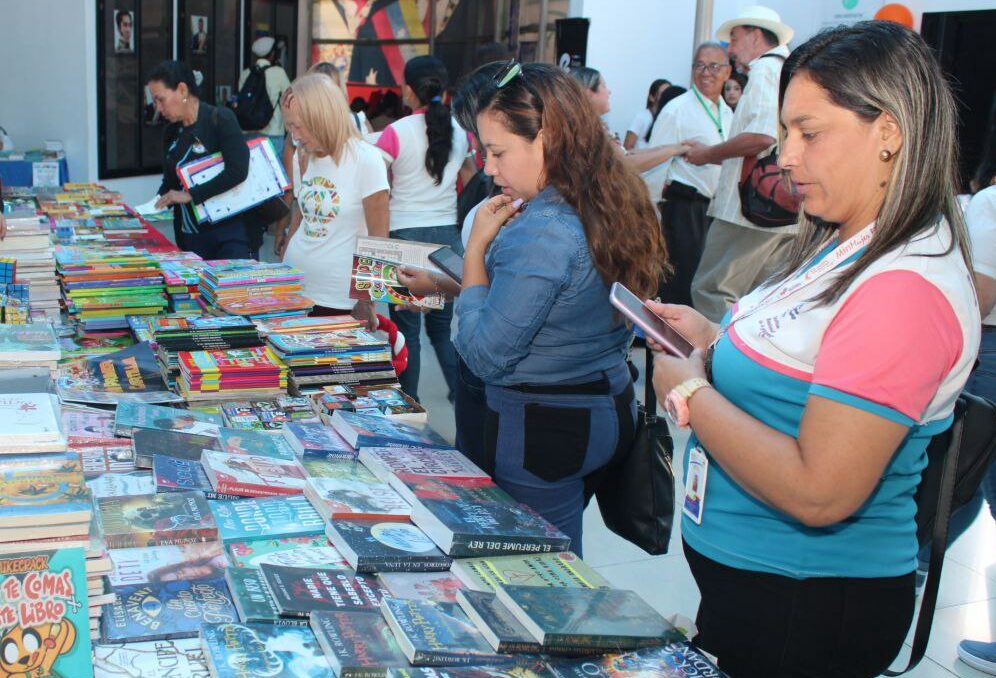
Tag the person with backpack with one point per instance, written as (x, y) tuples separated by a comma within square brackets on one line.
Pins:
[(258, 102), (197, 129), (812, 405)]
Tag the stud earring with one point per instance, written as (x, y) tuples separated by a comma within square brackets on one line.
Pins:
[(885, 155)]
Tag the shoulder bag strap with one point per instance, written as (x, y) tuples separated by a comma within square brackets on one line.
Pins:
[(938, 546)]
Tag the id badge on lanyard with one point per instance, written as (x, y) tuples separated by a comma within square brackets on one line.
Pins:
[(693, 505)]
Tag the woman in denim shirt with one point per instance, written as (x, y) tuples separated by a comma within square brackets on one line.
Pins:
[(536, 323)]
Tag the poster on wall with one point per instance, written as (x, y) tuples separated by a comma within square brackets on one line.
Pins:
[(847, 12), (199, 34), (124, 35)]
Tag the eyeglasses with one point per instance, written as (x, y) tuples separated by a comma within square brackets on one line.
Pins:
[(713, 68), (508, 73)]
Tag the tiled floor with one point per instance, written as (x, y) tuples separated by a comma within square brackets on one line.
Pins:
[(966, 602)]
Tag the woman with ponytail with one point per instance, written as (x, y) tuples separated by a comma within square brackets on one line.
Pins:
[(425, 152)]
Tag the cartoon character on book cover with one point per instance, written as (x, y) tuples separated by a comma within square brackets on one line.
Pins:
[(43, 615)]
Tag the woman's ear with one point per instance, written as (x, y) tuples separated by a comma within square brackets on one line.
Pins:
[(890, 132), (183, 90)]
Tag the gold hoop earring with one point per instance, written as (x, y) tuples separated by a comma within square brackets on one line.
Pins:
[(885, 155)]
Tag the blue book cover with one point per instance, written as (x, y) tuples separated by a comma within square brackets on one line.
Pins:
[(45, 614), (248, 650), (370, 430), (131, 416), (255, 443), (182, 475), (438, 634), (165, 610), (270, 517), (42, 489)]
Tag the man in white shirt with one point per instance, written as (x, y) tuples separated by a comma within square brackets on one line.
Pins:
[(699, 114), (739, 255), (276, 82)]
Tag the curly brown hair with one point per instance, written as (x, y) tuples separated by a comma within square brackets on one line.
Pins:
[(585, 166)]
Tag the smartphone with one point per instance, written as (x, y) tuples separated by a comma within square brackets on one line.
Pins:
[(449, 262), (651, 323)]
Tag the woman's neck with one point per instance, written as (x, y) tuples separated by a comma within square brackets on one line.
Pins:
[(190, 117)]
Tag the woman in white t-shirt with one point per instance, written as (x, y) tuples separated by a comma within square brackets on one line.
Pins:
[(637, 134), (341, 189), (425, 152)]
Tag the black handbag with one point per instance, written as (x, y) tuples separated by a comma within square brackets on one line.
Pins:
[(956, 462), (636, 492)]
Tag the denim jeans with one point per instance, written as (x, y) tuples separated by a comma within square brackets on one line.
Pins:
[(469, 408), (437, 323), (228, 241)]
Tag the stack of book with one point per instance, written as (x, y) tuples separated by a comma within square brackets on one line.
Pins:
[(182, 277), (254, 290), (268, 415), (103, 287), (171, 335), (28, 244), (386, 400), (316, 359), (29, 345), (231, 373)]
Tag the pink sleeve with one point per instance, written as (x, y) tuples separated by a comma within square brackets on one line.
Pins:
[(891, 345), (388, 142)]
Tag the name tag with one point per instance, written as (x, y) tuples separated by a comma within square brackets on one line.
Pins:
[(695, 484)]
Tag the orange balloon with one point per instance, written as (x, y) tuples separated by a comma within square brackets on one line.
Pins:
[(897, 13)]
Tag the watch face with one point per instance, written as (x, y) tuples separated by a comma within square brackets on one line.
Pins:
[(673, 406)]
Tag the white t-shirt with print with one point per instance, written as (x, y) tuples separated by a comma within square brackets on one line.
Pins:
[(330, 197), (981, 219)]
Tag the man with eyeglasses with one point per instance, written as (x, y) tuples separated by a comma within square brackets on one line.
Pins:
[(739, 255), (700, 115)]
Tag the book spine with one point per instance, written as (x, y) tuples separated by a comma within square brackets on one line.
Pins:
[(427, 658), (148, 539), (475, 546), (564, 642), (403, 564), (242, 490), (358, 672)]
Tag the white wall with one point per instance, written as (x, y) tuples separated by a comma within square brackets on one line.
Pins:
[(634, 42)]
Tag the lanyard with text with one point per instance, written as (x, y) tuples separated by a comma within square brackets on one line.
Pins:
[(827, 265), (717, 120)]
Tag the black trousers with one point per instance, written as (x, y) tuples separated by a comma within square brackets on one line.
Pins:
[(760, 624), (685, 225), (228, 240)]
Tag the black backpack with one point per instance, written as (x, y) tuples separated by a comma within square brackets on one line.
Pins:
[(253, 107)]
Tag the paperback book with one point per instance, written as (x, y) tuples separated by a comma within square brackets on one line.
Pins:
[(263, 650), (42, 491), (156, 564), (366, 430), (183, 475), (156, 520), (399, 466), (537, 569), (336, 498), (131, 416), (151, 659), (357, 643), (256, 443), (378, 546), (121, 484), (253, 600), (298, 591), (290, 551), (498, 626), (270, 517), (674, 660), (150, 443), (129, 375), (251, 476), (438, 634), (439, 587), (317, 440)]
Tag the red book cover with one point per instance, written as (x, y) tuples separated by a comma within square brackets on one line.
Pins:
[(251, 476)]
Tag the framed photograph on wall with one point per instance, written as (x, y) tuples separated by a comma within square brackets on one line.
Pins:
[(124, 34), (199, 34)]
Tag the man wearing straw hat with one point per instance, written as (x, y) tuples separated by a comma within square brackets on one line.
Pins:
[(739, 255)]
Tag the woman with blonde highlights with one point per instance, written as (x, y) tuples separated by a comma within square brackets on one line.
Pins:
[(535, 321), (812, 409), (340, 185)]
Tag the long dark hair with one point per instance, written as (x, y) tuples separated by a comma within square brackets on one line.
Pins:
[(582, 163), (653, 101), (667, 96), (172, 73), (856, 66), (427, 77)]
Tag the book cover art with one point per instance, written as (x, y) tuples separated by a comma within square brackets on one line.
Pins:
[(357, 643), (335, 341), (377, 280), (250, 650), (441, 463), (31, 417), (183, 475), (259, 444), (248, 475), (291, 551), (253, 599), (131, 416), (149, 443), (121, 484), (498, 626), (151, 659), (317, 440), (98, 459), (366, 430), (32, 341), (156, 519), (157, 564), (42, 490), (345, 498), (343, 469), (300, 590), (43, 609), (129, 375), (532, 569), (608, 619), (437, 634), (271, 517), (522, 668), (172, 609), (439, 587), (378, 546), (674, 660), (86, 426)]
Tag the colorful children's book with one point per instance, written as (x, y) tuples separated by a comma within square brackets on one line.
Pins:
[(674, 660), (150, 659), (184, 475), (357, 643), (291, 551), (45, 626), (377, 280), (535, 569), (301, 590), (439, 587), (378, 546), (204, 560), (251, 650), (132, 416), (165, 610), (251, 476), (253, 599), (156, 519), (438, 634), (270, 517), (365, 430), (606, 619), (39, 490)]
